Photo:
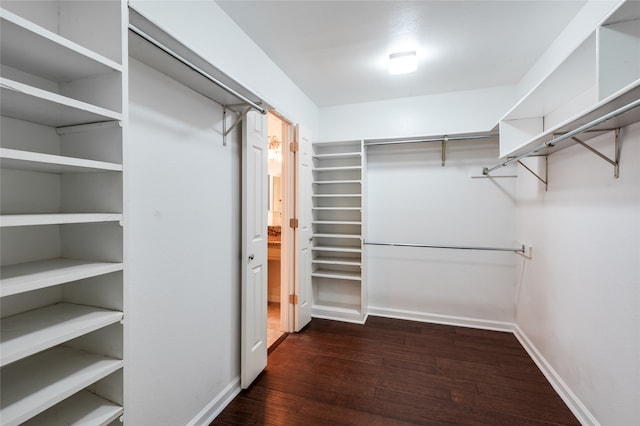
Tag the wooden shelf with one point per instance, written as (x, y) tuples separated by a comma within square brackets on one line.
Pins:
[(39, 382), (34, 331), (35, 50), (30, 276), (56, 219), (342, 275), (336, 261), (83, 408), (29, 103), (47, 163), (338, 249)]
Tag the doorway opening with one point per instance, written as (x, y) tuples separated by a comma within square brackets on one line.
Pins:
[(280, 134)]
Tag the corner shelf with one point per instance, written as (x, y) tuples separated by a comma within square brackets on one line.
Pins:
[(34, 331), (47, 378), (338, 285)]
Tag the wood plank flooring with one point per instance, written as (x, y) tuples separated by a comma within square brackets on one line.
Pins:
[(394, 372)]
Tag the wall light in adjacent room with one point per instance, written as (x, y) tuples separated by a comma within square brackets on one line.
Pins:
[(403, 62)]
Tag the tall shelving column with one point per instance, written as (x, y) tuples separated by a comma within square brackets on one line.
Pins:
[(61, 281), (337, 282)]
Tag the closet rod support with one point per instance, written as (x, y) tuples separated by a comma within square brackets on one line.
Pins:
[(546, 173), (616, 162), (444, 149), (240, 117)]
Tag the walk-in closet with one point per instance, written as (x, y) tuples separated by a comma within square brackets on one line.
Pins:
[(223, 212)]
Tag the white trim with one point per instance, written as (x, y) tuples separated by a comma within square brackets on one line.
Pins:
[(442, 319), (576, 406), (215, 407)]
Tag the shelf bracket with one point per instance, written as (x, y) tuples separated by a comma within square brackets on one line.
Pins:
[(239, 118), (444, 149), (615, 162), (546, 172)]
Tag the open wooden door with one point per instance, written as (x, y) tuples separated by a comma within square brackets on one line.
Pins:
[(304, 165), (253, 351)]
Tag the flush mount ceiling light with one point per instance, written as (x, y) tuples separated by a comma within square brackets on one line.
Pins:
[(403, 62)]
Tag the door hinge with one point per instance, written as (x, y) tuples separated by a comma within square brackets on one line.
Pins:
[(293, 147), (293, 223), (293, 299)]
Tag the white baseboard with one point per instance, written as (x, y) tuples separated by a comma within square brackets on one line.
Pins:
[(215, 407), (576, 406), (441, 319)]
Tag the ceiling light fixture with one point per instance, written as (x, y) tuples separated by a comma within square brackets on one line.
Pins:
[(403, 62)]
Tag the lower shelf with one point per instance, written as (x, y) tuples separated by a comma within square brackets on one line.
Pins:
[(83, 408), (338, 311), (39, 382)]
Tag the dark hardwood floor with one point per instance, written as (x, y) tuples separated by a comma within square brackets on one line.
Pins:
[(394, 372)]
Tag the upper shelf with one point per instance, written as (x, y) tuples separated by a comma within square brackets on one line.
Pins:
[(29, 103), (614, 102), (600, 76), (156, 47), (33, 49)]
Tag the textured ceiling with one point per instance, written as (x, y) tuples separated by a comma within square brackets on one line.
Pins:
[(335, 51)]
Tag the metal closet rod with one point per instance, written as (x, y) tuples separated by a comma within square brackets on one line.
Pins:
[(196, 69), (566, 136), (439, 139), (516, 250)]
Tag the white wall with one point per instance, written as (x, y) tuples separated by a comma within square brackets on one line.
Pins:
[(445, 113), (208, 31), (579, 301), (183, 252), (411, 198)]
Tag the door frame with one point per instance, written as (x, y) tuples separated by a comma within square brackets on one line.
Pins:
[(288, 235)]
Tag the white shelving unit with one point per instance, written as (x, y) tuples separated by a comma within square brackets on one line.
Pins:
[(61, 208), (601, 75), (338, 284)]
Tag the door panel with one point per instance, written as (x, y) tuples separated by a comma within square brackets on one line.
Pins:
[(305, 233), (253, 358)]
